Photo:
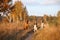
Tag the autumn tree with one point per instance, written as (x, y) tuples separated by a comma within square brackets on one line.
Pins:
[(58, 17), (20, 12), (25, 15), (58, 14), (45, 18), (4, 5), (19, 9)]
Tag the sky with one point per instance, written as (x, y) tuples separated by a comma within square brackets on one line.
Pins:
[(42, 7)]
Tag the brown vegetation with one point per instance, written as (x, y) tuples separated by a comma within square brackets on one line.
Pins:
[(12, 26), (51, 33)]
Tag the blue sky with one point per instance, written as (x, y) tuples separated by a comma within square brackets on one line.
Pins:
[(41, 7)]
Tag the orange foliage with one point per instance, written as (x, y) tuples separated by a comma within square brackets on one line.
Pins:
[(25, 25)]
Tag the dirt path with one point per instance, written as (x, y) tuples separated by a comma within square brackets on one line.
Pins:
[(28, 36)]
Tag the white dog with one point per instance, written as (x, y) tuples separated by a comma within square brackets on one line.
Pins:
[(42, 25), (35, 28)]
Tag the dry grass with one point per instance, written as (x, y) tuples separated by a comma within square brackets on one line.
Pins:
[(51, 33), (11, 31)]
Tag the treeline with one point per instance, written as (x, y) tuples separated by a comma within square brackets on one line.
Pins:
[(51, 20)]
